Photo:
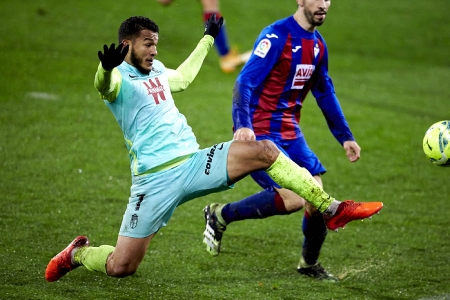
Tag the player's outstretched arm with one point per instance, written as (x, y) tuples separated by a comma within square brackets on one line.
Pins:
[(107, 79), (183, 76)]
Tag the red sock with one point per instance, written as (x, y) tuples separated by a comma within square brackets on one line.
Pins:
[(207, 15)]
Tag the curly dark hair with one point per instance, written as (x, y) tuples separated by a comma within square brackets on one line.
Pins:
[(131, 27)]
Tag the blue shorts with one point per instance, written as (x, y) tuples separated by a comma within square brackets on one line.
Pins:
[(155, 196), (297, 150)]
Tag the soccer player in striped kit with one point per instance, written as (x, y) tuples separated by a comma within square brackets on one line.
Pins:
[(229, 59), (290, 59)]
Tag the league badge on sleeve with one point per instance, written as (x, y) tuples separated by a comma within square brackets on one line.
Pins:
[(263, 48)]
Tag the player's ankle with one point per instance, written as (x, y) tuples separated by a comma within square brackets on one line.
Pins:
[(331, 210)]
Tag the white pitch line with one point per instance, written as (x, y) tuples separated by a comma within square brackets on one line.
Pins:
[(42, 96)]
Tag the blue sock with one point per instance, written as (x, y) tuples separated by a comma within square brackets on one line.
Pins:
[(221, 40), (315, 231), (258, 206)]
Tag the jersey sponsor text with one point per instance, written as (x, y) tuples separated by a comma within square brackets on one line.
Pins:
[(302, 74), (155, 89)]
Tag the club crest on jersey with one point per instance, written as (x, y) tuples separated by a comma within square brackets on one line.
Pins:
[(316, 50), (156, 89), (262, 48), (302, 74)]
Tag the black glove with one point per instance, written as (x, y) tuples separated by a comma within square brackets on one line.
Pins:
[(213, 26), (113, 56)]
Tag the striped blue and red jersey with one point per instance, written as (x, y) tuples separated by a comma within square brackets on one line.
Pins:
[(287, 62)]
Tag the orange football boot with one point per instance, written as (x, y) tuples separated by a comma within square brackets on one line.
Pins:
[(350, 210), (232, 60), (63, 262)]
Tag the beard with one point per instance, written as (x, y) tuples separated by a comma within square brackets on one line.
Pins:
[(310, 18), (137, 62)]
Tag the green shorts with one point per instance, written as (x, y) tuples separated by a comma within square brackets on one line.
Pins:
[(155, 196)]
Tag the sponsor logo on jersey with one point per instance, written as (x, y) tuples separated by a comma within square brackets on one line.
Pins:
[(262, 48), (296, 48), (302, 74), (156, 89), (271, 35), (210, 156)]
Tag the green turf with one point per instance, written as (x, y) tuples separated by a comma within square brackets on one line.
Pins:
[(64, 167)]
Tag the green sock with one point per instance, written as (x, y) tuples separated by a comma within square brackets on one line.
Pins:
[(297, 179), (93, 258)]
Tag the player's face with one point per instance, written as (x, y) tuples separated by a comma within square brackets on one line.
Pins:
[(143, 51), (315, 11)]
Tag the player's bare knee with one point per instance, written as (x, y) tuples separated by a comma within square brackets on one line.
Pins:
[(121, 270), (268, 152)]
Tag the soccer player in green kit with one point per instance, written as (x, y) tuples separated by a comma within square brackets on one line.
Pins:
[(167, 166)]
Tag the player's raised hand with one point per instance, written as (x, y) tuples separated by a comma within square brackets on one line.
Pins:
[(213, 26), (112, 56)]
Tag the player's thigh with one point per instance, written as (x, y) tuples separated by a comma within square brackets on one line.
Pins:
[(152, 202), (206, 172), (216, 168)]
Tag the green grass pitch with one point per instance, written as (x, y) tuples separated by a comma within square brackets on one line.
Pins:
[(64, 167)]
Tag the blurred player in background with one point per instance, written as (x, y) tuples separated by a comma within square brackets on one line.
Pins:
[(167, 166), (230, 59), (290, 58)]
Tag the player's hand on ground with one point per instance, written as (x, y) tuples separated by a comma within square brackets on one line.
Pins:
[(112, 56), (244, 134), (213, 26), (352, 150)]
